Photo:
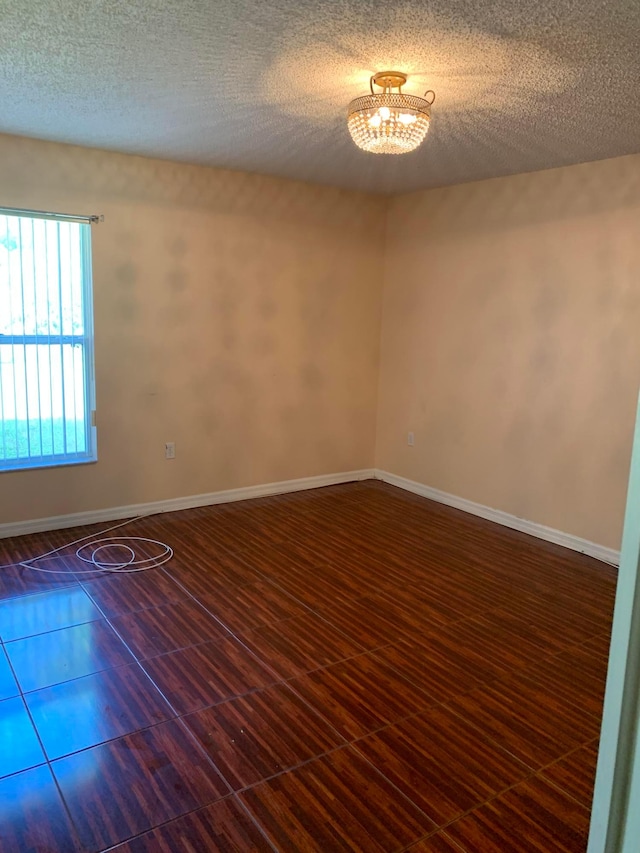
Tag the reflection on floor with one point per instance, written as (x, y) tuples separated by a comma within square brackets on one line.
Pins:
[(349, 668)]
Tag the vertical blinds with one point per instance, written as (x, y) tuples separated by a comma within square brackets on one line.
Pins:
[(46, 346)]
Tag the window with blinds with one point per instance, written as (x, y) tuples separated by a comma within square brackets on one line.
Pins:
[(46, 341)]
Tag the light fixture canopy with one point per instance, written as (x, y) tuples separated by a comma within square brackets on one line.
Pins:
[(389, 122)]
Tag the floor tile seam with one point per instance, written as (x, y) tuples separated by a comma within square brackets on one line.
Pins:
[(137, 609), (444, 826), (526, 777), (35, 729), (448, 698), (217, 618), (529, 778), (65, 805), (572, 703), (525, 762), (238, 636), (244, 691), (343, 741), (278, 678), (247, 561), (107, 740), (176, 713), (581, 645), (317, 756), (238, 552), (233, 635), (102, 618), (274, 582), (371, 652), (543, 771), (347, 659), (393, 622), (48, 764), (390, 782), (320, 756), (12, 696), (131, 662), (327, 620), (181, 582), (244, 558), (506, 669), (524, 672), (545, 652), (483, 733), (437, 704), (298, 601), (159, 826), (25, 769), (598, 631), (562, 651), (438, 831), (590, 742), (555, 784), (387, 724), (202, 752), (53, 630), (27, 594), (139, 660), (140, 664), (255, 627), (179, 648), (254, 819), (15, 677), (47, 588)]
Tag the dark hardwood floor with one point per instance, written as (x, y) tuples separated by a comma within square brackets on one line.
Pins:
[(352, 668)]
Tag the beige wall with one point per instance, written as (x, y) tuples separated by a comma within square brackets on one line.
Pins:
[(511, 343), (239, 316), (236, 315)]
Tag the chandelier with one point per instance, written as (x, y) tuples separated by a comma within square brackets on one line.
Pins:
[(389, 122)]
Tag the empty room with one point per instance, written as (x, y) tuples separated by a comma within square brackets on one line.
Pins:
[(319, 367)]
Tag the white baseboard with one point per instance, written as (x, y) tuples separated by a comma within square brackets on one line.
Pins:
[(59, 522), (575, 543)]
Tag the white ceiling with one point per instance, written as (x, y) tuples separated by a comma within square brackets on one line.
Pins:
[(263, 85)]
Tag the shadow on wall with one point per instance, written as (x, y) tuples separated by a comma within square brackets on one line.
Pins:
[(251, 344), (568, 193), (510, 343), (126, 179)]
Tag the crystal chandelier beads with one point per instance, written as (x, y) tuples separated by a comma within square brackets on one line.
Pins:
[(389, 122)]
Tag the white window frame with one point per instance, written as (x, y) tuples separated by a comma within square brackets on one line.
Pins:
[(84, 340)]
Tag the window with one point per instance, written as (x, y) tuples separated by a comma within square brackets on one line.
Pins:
[(46, 340)]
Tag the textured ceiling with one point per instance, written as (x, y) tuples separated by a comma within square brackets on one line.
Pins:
[(263, 85)]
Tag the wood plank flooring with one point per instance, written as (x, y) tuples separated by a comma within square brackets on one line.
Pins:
[(351, 668)]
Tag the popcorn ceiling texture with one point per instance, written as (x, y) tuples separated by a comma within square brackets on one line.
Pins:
[(264, 86)]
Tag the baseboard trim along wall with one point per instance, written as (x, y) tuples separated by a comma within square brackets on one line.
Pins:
[(549, 534), (77, 519)]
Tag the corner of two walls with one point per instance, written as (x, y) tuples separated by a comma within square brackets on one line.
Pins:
[(510, 344), (275, 330), (236, 315)]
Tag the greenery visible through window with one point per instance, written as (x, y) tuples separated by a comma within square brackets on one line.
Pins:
[(46, 341)]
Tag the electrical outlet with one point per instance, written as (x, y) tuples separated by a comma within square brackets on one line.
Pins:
[(410, 440), (170, 450)]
